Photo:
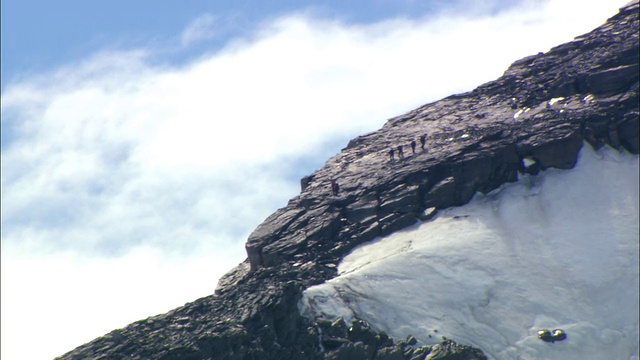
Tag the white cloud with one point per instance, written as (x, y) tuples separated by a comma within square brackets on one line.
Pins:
[(113, 154), (199, 29), (51, 301)]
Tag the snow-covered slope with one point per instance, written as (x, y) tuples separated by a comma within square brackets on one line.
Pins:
[(557, 250)]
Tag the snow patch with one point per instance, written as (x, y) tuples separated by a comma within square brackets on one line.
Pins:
[(554, 100), (520, 112), (528, 162), (553, 251), (515, 116)]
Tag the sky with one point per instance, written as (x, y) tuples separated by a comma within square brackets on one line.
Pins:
[(554, 251), (142, 143)]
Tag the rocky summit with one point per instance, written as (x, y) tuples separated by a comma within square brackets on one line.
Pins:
[(536, 116)]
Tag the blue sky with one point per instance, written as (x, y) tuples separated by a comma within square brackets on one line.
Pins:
[(39, 34), (142, 143)]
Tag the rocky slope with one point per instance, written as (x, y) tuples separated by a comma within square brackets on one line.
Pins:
[(536, 116)]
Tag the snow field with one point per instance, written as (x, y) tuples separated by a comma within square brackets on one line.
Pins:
[(557, 250)]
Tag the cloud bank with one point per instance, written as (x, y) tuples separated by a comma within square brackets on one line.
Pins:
[(129, 187)]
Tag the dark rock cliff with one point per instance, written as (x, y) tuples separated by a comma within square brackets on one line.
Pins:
[(536, 116)]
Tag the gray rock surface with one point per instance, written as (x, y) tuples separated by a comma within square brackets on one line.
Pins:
[(536, 116)]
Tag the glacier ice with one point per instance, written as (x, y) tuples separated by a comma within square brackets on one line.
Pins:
[(556, 250)]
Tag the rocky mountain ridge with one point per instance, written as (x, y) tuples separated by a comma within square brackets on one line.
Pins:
[(536, 116)]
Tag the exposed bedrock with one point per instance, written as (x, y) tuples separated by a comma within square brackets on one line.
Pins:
[(536, 116)]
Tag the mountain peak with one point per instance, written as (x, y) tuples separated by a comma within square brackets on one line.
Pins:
[(534, 117)]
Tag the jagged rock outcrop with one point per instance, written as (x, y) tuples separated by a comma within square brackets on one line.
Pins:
[(536, 116)]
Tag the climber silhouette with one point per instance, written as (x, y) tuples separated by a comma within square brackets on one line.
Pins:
[(413, 146), (391, 152), (513, 102), (423, 140), (334, 187), (400, 152)]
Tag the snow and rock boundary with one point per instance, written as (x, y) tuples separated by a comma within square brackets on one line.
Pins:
[(556, 250)]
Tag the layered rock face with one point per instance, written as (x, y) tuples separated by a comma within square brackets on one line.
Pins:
[(536, 116)]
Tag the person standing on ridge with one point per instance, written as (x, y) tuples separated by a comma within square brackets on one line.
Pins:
[(423, 140), (413, 147), (391, 152), (334, 187), (400, 152)]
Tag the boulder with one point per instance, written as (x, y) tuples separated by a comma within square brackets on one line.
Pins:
[(390, 353), (449, 350), (428, 214)]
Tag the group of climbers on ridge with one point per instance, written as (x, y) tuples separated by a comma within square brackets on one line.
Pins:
[(413, 144), (335, 188)]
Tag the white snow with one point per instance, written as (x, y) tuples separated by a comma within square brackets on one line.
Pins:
[(520, 112), (554, 100), (556, 251), (515, 116), (528, 161)]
